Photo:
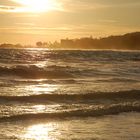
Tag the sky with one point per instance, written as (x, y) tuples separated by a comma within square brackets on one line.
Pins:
[(29, 21)]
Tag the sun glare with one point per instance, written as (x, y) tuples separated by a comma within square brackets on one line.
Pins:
[(38, 5), (39, 132)]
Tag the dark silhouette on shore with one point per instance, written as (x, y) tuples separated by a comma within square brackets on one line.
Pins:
[(129, 41)]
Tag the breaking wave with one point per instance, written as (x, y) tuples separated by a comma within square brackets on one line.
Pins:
[(101, 111), (133, 94), (34, 72)]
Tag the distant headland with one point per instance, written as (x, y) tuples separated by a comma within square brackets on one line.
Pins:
[(129, 41)]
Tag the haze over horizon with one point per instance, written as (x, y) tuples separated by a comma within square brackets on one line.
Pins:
[(27, 22)]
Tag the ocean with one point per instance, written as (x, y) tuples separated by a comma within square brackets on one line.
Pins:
[(69, 94)]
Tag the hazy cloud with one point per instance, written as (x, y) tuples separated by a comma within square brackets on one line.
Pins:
[(96, 4), (73, 5), (7, 8)]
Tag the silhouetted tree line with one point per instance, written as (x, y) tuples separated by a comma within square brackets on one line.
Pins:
[(129, 41)]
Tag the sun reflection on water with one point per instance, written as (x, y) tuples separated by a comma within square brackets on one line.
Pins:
[(41, 89), (39, 132), (39, 107)]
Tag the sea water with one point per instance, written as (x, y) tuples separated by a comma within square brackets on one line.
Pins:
[(69, 94)]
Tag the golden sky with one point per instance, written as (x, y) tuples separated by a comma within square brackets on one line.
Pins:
[(29, 21)]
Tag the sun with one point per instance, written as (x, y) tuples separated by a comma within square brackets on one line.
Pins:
[(38, 5)]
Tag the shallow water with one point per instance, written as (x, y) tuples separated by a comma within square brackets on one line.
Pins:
[(125, 126), (75, 88)]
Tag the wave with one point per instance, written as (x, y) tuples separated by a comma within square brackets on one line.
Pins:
[(101, 111), (133, 94), (49, 72), (34, 72), (119, 79), (60, 72)]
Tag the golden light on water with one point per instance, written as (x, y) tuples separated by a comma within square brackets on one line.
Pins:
[(41, 89), (47, 131), (39, 108), (39, 132), (37, 5), (44, 88)]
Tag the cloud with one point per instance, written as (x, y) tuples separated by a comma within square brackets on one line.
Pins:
[(8, 6), (78, 5), (34, 30), (116, 2), (82, 5), (71, 5), (4, 8), (10, 9), (31, 6), (8, 3)]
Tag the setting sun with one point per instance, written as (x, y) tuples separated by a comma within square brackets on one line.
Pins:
[(37, 5)]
